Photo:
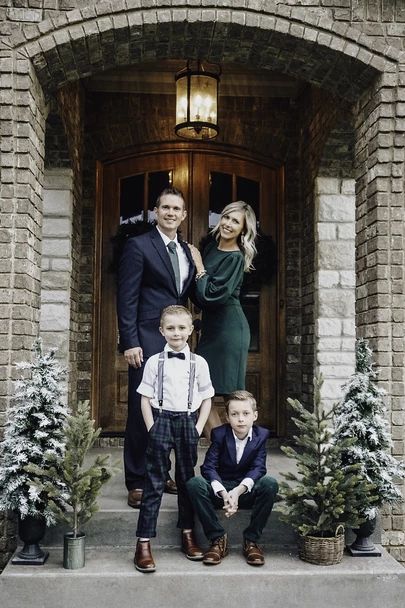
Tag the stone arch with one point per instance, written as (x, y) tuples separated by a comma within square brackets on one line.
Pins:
[(312, 48)]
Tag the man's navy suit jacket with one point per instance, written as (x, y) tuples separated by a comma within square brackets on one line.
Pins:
[(220, 461), (146, 284)]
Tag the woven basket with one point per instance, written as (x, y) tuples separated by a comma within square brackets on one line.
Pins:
[(322, 551)]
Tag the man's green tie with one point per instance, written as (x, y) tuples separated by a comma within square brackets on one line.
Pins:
[(174, 258)]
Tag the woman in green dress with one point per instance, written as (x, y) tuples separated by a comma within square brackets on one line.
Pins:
[(225, 334)]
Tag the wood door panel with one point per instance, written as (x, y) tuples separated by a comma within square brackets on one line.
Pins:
[(191, 174)]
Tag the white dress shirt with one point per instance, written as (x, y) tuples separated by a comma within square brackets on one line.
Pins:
[(240, 445), (184, 264), (176, 373)]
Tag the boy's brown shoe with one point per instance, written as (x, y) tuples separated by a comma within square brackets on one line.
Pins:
[(143, 559), (189, 546), (253, 553), (217, 551)]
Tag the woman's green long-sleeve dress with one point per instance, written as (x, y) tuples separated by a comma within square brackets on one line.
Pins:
[(225, 334)]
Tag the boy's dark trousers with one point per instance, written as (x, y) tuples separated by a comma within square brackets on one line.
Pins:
[(260, 500), (171, 431)]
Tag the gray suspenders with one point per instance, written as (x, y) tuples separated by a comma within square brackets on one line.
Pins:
[(190, 381)]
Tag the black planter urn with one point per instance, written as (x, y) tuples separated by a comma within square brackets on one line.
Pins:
[(363, 546), (31, 531)]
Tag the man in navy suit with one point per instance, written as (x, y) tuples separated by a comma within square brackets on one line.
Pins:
[(234, 476), (149, 279)]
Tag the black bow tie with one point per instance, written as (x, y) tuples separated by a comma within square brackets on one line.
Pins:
[(171, 354)]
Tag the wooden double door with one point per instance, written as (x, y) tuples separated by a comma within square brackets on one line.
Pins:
[(127, 193)]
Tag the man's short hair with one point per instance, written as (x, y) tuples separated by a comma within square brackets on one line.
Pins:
[(167, 191), (240, 396), (175, 309)]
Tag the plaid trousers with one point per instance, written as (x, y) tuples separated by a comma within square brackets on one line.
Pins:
[(171, 431)]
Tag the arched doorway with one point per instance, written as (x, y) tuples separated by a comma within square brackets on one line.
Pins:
[(209, 179)]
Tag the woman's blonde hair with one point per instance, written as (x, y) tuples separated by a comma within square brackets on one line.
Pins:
[(246, 240)]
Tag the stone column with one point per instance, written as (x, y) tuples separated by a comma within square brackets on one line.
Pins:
[(334, 284), (57, 261)]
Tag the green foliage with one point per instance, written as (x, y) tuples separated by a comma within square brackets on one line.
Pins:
[(76, 503), (33, 434), (361, 416), (323, 493)]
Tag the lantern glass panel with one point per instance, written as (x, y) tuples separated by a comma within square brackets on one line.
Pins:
[(203, 99), (181, 100)]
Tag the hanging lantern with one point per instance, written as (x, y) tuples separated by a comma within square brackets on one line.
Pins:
[(196, 103)]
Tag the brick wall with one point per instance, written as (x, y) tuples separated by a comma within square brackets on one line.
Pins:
[(71, 104), (380, 297), (22, 135), (376, 18)]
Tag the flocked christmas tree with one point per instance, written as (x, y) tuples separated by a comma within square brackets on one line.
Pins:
[(33, 434), (323, 493), (361, 416), (74, 500)]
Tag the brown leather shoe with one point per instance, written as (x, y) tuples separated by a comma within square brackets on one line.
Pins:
[(253, 553), (217, 551), (189, 547), (143, 559), (170, 486), (135, 498)]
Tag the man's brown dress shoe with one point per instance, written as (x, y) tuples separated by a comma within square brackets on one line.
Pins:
[(253, 553), (217, 551), (170, 486), (189, 546), (135, 498), (143, 559)]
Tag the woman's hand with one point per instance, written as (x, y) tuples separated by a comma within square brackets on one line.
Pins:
[(197, 259)]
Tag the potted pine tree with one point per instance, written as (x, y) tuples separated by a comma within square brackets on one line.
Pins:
[(361, 417), (74, 499), (33, 434), (324, 496)]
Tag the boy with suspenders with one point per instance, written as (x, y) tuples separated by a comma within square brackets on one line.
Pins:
[(176, 394)]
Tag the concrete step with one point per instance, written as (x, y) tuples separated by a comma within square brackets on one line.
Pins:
[(115, 523), (109, 580), (117, 528)]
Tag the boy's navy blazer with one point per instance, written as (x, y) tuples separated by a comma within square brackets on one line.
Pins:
[(220, 461), (146, 284)]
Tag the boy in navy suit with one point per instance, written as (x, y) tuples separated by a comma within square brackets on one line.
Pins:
[(234, 476)]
